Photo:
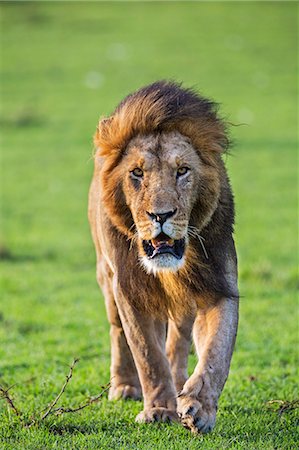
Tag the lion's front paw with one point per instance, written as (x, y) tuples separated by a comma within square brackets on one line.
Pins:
[(157, 415), (195, 414), (125, 391)]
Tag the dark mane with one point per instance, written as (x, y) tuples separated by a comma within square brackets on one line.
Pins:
[(163, 106)]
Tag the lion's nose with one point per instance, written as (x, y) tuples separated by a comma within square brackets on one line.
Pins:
[(161, 217)]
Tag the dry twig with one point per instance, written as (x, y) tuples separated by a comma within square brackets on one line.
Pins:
[(50, 408), (92, 400), (5, 395), (67, 380), (281, 406)]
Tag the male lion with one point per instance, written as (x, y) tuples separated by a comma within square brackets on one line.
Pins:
[(161, 214)]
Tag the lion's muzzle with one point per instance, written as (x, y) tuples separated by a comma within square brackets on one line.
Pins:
[(164, 245)]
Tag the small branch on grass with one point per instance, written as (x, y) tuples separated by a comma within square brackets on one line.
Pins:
[(50, 408), (67, 380), (281, 406), (5, 395), (62, 410)]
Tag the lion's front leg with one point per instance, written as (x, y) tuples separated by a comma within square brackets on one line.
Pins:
[(214, 335), (177, 348), (145, 338)]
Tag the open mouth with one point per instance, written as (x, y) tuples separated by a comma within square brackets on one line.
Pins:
[(164, 244)]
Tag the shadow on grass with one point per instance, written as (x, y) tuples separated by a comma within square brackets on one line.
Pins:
[(111, 428), (88, 428), (7, 255), (7, 368), (70, 428), (24, 118)]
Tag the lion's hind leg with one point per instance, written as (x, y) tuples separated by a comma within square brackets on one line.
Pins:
[(124, 378)]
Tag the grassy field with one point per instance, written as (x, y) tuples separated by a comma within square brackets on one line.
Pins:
[(63, 66)]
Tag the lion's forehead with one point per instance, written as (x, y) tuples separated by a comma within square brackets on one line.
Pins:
[(162, 151)]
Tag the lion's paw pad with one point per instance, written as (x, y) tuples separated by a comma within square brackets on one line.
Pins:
[(194, 416)]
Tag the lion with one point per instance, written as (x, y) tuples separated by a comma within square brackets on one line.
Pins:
[(161, 212)]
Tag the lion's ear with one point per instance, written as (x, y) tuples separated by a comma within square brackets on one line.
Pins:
[(102, 136)]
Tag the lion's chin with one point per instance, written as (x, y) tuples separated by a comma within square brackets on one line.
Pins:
[(162, 263)]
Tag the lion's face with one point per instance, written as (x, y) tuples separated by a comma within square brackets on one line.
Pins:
[(163, 176)]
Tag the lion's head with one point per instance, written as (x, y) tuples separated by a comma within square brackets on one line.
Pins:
[(161, 171), (162, 175)]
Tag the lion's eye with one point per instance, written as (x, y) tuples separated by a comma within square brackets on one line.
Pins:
[(137, 172), (182, 171)]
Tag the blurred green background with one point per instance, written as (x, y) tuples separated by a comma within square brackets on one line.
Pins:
[(63, 66)]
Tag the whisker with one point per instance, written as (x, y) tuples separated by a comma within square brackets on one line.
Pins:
[(132, 226), (133, 240), (193, 231)]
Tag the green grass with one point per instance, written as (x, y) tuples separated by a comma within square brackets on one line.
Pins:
[(63, 66)]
